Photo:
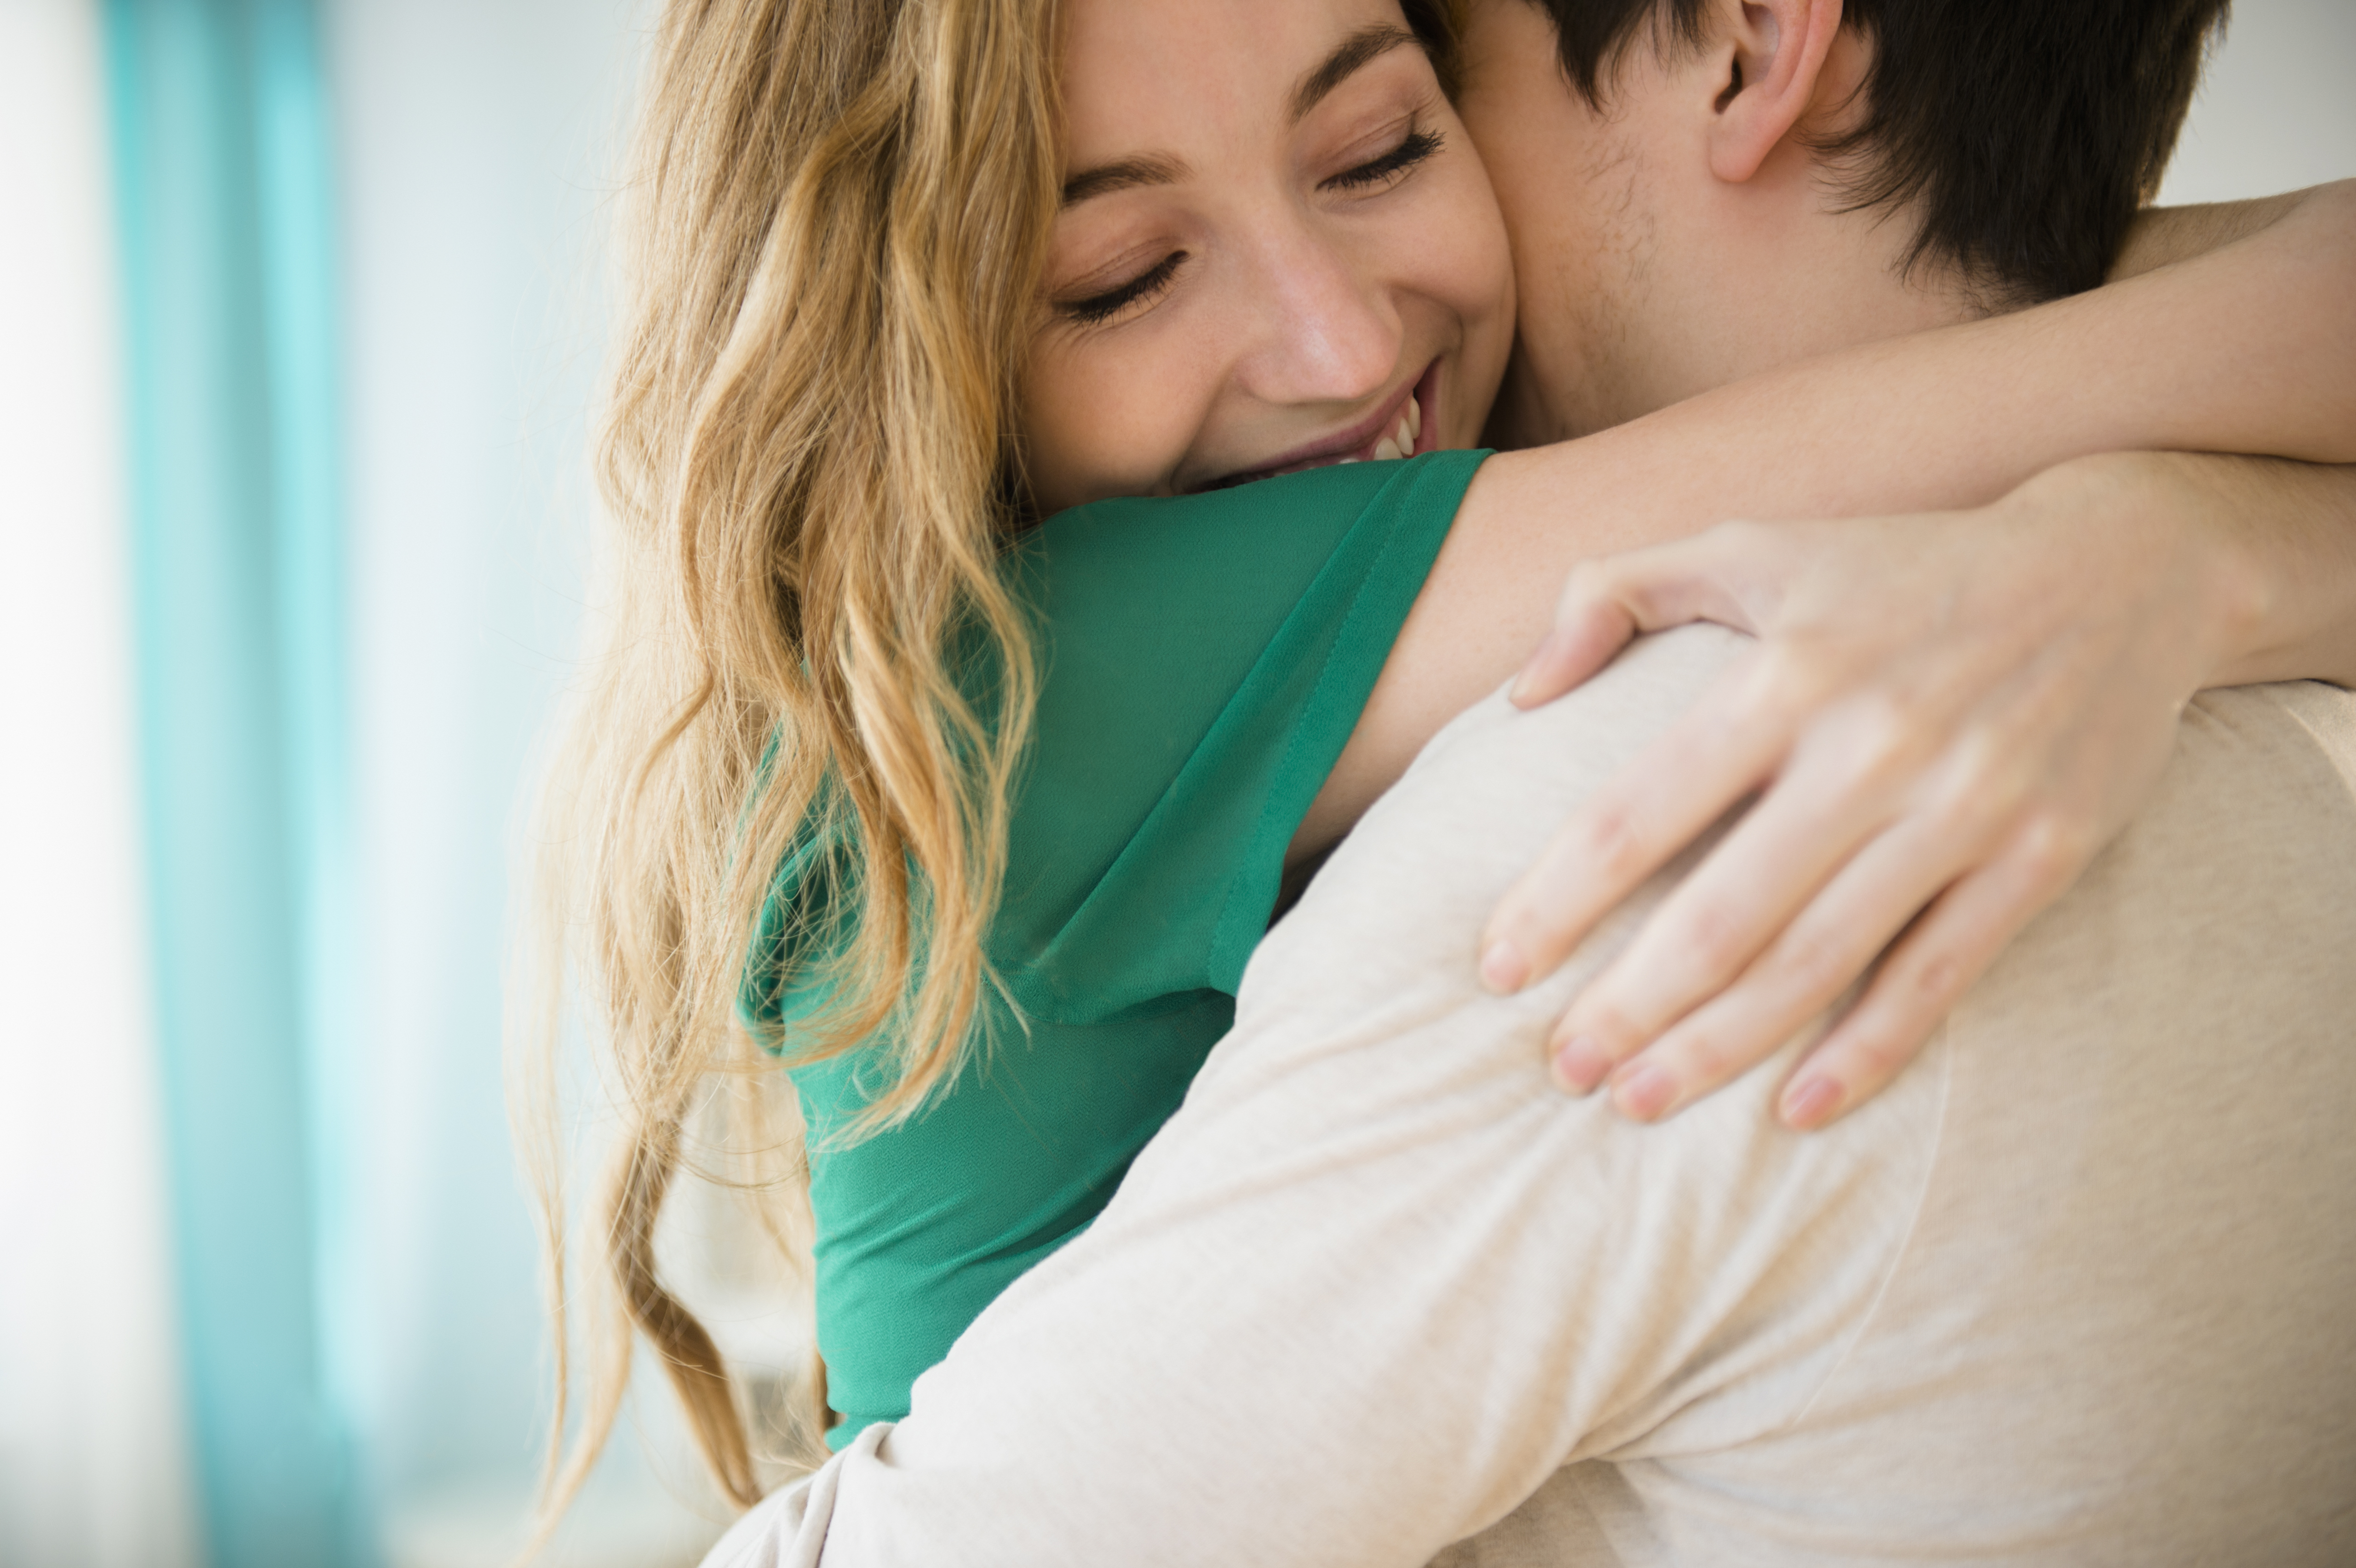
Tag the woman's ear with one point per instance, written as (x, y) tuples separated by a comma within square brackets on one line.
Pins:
[(1770, 56)]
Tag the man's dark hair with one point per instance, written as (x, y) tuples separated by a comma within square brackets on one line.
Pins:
[(2028, 131)]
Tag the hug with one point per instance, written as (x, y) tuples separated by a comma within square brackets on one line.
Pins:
[(1540, 781)]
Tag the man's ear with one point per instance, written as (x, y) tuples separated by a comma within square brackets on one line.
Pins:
[(1770, 55)]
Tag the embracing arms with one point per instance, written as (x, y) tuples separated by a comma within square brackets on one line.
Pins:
[(2250, 348), (1375, 1282), (1947, 717)]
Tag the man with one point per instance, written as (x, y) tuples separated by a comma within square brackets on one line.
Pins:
[(2074, 1289)]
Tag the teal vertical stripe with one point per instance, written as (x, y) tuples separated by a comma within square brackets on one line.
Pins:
[(222, 190)]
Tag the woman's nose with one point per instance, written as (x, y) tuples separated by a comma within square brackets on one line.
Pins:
[(1329, 331)]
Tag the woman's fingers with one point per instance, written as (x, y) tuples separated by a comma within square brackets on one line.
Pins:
[(1927, 971), (1832, 801), (1810, 962), (1589, 628), (1606, 602), (1948, 714), (1710, 758)]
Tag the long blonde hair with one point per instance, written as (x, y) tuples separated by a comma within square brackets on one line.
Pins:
[(841, 207), (842, 212)]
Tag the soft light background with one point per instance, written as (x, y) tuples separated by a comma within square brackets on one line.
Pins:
[(472, 147)]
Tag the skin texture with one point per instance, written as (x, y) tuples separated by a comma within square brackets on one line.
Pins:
[(1311, 288)]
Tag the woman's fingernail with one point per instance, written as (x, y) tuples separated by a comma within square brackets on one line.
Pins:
[(1503, 968), (1811, 1102), (1581, 1065), (1647, 1093), (1525, 683)]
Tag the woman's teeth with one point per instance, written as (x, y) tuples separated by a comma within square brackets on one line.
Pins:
[(1401, 439)]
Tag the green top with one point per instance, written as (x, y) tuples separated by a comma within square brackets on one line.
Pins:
[(1204, 662)]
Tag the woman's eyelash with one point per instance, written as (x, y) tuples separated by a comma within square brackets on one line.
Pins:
[(1416, 146), (1112, 302)]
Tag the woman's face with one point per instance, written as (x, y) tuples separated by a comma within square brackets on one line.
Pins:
[(1277, 250)]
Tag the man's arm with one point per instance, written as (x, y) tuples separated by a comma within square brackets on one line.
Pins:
[(1375, 1282)]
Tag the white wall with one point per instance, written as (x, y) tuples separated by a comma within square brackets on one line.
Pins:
[(2274, 110)]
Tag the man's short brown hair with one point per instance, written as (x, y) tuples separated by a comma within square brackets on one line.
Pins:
[(2026, 132)]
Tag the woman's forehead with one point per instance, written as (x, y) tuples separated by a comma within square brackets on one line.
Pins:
[(1155, 77)]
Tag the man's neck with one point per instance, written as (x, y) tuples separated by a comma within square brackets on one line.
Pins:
[(1645, 280), (1662, 341)]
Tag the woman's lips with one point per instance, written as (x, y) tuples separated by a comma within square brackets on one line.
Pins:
[(1406, 432)]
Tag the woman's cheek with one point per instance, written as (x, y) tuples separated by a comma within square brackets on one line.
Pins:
[(1470, 269), (1051, 449), (1094, 428)]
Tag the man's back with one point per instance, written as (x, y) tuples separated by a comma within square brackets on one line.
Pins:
[(2076, 1289)]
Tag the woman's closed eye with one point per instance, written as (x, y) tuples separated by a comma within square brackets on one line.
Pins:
[(1412, 149), (1097, 308)]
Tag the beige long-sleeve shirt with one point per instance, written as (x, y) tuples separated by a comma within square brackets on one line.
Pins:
[(2079, 1288)]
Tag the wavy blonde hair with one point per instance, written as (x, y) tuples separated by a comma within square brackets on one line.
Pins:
[(841, 207)]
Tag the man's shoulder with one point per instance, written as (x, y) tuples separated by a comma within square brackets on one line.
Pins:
[(2122, 1310)]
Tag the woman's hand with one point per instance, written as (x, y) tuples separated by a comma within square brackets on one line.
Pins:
[(1946, 717)]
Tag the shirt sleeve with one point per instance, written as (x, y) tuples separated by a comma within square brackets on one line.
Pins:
[(1207, 660), (1377, 1279)]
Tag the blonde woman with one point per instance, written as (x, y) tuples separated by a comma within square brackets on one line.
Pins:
[(974, 819)]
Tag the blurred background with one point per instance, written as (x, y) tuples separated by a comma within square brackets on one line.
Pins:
[(301, 307)]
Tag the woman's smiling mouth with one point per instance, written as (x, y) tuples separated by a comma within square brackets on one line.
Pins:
[(1399, 432)]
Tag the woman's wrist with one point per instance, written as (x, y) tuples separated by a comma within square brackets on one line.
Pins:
[(2167, 527)]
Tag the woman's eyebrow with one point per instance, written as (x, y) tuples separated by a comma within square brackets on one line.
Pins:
[(1361, 48), (1127, 174)]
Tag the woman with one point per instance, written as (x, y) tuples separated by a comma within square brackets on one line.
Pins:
[(1000, 809)]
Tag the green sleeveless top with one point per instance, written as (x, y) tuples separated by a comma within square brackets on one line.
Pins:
[(1203, 660)]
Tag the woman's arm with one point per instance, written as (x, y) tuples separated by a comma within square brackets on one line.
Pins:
[(1946, 718), (2251, 348), (2163, 236), (2289, 531)]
